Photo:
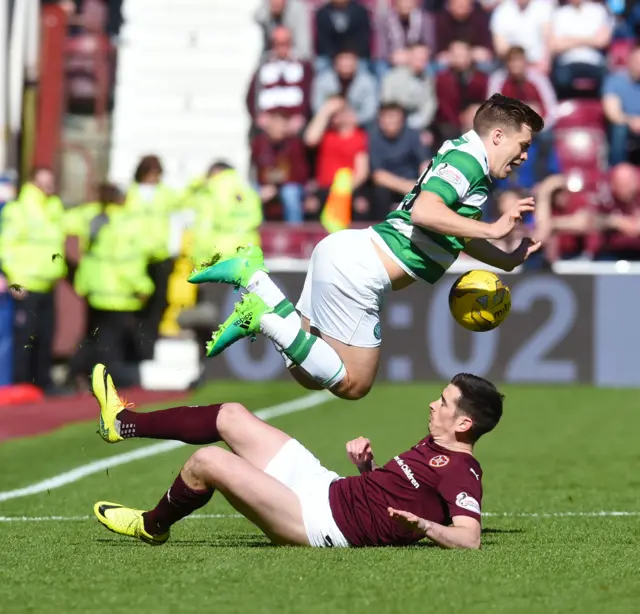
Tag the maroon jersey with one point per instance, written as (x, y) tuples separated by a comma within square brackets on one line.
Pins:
[(428, 480)]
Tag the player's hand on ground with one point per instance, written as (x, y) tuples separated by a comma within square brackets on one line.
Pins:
[(525, 249), (408, 520), (507, 222), (360, 453)]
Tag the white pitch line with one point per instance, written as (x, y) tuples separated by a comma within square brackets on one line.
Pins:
[(602, 514), (69, 477)]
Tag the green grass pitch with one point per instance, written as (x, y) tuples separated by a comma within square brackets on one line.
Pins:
[(571, 451)]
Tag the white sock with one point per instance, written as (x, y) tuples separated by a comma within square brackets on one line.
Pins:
[(307, 351), (262, 285)]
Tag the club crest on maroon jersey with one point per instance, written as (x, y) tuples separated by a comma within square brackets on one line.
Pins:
[(439, 461)]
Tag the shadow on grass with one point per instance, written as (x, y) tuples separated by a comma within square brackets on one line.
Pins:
[(257, 541)]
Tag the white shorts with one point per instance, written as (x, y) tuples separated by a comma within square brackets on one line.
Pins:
[(343, 291), (302, 472)]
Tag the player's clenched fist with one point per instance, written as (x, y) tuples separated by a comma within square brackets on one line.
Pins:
[(360, 453)]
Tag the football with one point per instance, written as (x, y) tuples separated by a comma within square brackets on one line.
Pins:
[(479, 301)]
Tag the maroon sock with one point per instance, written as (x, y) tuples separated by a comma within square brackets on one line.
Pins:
[(179, 501), (194, 425)]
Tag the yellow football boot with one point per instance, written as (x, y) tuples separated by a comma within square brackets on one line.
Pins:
[(126, 521), (111, 404)]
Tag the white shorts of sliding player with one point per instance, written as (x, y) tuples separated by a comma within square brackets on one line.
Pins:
[(302, 472)]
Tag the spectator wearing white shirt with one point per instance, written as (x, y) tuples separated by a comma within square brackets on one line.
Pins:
[(523, 23), (580, 34)]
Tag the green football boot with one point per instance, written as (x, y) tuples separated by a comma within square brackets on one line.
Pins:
[(243, 322), (235, 270)]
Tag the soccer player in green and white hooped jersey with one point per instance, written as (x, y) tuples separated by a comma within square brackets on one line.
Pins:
[(331, 338)]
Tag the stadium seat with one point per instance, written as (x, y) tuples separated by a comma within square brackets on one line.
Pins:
[(619, 53), (280, 240), (581, 148), (590, 179), (580, 114)]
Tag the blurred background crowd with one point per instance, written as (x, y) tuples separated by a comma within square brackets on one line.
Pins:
[(348, 102)]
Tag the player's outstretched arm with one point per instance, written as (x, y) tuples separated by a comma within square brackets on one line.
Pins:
[(361, 455), (431, 212), (465, 531), (490, 254)]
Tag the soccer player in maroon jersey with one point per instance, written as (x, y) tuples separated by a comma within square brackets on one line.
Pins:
[(432, 490)]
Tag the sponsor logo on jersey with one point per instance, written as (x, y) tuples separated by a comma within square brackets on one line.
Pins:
[(407, 471), (467, 502), (449, 173), (439, 461), (474, 473)]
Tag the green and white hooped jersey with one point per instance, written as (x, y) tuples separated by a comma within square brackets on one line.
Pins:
[(459, 174)]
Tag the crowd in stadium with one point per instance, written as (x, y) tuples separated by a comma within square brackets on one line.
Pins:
[(367, 87), (376, 86)]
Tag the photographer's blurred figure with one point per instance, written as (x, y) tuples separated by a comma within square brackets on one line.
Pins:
[(113, 278), (153, 202), (32, 243)]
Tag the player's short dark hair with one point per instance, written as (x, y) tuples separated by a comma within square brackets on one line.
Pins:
[(481, 401), (505, 112)]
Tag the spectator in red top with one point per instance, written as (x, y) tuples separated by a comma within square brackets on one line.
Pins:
[(457, 87), (280, 164), (432, 490), (400, 27), (281, 83), (340, 143), (525, 83), (342, 24), (621, 215), (464, 20)]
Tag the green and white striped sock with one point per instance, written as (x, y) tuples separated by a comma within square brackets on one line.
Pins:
[(305, 350), (262, 285)]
